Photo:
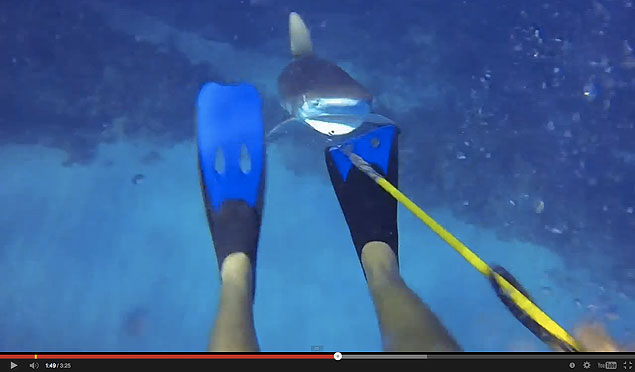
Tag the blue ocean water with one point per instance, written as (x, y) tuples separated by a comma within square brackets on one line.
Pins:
[(517, 136)]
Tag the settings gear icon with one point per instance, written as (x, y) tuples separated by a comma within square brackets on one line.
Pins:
[(587, 365)]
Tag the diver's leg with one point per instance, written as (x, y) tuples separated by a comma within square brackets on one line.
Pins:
[(406, 323), (234, 326), (235, 231)]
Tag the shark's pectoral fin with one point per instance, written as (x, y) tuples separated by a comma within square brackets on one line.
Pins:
[(276, 132), (377, 119)]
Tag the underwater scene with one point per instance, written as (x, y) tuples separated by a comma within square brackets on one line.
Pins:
[(516, 149)]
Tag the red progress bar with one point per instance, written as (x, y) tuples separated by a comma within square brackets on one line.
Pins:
[(166, 356)]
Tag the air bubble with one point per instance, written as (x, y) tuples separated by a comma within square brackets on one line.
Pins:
[(590, 91), (539, 206), (627, 48)]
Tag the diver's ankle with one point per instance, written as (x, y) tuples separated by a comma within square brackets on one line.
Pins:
[(236, 270), (380, 263)]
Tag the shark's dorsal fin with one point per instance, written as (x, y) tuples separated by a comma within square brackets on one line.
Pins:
[(299, 36)]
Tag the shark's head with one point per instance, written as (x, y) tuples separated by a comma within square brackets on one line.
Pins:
[(334, 116), (318, 92)]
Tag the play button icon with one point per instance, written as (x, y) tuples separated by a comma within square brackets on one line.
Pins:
[(13, 365)]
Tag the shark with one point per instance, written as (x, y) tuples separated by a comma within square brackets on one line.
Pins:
[(320, 94)]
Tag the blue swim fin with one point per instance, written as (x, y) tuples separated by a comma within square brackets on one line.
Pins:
[(370, 212), (231, 159)]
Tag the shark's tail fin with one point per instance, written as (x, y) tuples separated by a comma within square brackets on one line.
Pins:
[(300, 36)]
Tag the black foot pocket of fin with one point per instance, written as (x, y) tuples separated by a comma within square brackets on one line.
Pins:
[(235, 228), (370, 212)]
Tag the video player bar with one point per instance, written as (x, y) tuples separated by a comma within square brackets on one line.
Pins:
[(98, 361)]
